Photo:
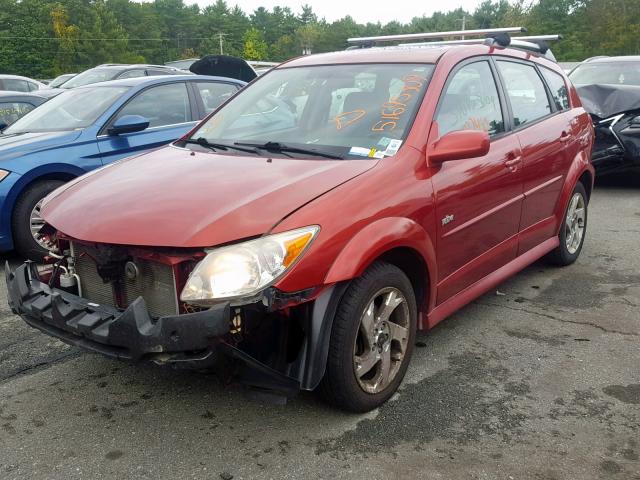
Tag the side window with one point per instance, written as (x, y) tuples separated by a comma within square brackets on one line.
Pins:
[(471, 102), (153, 73), (15, 85), (214, 93), (558, 88), (12, 111), (32, 86), (132, 74), (162, 105), (526, 92)]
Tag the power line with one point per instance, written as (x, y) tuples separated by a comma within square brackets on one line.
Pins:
[(110, 39)]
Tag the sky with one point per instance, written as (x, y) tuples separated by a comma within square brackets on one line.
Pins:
[(362, 11)]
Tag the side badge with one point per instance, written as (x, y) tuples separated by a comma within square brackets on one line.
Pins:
[(447, 219)]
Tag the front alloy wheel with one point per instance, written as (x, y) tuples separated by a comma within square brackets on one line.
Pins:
[(371, 339), (381, 342)]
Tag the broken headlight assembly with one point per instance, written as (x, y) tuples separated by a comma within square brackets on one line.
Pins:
[(246, 268)]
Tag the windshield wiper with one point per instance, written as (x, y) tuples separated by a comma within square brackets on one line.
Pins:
[(203, 142), (281, 147)]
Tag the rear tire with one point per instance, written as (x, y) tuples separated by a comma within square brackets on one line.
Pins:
[(24, 241), (370, 346), (573, 229)]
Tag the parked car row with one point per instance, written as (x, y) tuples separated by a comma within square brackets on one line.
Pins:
[(88, 127), (298, 236)]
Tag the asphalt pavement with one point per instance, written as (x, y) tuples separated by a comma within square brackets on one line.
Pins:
[(537, 380)]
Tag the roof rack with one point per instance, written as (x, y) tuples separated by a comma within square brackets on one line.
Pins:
[(424, 36), (493, 37)]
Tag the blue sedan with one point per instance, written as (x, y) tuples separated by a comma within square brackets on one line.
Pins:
[(86, 128)]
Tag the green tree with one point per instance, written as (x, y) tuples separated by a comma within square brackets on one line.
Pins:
[(255, 48)]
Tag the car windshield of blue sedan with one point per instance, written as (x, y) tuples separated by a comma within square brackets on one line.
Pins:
[(335, 111), (70, 110)]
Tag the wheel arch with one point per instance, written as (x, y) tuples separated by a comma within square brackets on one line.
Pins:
[(399, 241), (581, 170), (63, 172)]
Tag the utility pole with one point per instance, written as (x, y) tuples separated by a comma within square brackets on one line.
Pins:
[(220, 37), (464, 23)]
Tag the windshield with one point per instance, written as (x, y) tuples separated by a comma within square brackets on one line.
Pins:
[(68, 111), (88, 77), (613, 73), (360, 110)]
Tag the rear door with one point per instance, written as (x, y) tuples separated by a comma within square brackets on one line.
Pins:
[(478, 200), (170, 111), (544, 132)]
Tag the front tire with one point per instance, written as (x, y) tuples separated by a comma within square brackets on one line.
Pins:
[(26, 220), (573, 229), (371, 340)]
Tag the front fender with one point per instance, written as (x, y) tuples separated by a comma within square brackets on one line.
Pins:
[(377, 238)]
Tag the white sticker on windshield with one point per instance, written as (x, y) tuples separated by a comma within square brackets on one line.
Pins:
[(360, 151), (393, 147)]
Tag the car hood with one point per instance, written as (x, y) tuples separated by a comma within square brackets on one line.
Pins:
[(17, 144), (176, 198), (605, 101)]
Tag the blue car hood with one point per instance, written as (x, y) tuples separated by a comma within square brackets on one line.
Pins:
[(18, 144)]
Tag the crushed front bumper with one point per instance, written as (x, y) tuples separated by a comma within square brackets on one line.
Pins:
[(126, 335), (193, 340)]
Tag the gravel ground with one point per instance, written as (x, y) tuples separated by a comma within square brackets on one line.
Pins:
[(540, 381)]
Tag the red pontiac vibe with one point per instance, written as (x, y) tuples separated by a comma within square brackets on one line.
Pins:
[(300, 235)]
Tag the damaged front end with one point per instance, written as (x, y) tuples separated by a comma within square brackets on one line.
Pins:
[(125, 303), (615, 111)]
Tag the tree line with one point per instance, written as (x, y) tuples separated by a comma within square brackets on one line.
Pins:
[(43, 38)]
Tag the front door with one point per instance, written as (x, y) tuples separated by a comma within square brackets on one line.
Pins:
[(478, 200), (169, 111)]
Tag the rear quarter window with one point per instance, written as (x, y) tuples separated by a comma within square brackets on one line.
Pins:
[(558, 88)]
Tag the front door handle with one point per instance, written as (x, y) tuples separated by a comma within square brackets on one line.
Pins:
[(512, 162), (564, 136)]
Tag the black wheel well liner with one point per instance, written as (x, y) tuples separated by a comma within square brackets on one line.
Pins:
[(325, 306), (586, 179)]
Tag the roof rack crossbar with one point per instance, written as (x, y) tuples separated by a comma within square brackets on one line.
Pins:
[(471, 41), (423, 36)]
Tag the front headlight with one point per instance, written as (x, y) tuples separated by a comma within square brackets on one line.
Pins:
[(3, 173), (246, 268)]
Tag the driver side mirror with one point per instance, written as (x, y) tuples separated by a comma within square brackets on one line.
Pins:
[(128, 124), (459, 145)]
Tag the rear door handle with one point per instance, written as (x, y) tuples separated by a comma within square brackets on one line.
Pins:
[(564, 136)]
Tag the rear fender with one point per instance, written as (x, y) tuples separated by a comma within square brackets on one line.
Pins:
[(579, 166)]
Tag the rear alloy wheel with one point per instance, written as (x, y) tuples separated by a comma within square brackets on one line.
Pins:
[(573, 229), (27, 220), (371, 340)]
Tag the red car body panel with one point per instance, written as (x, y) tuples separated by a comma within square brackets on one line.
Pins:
[(508, 205), (176, 198)]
